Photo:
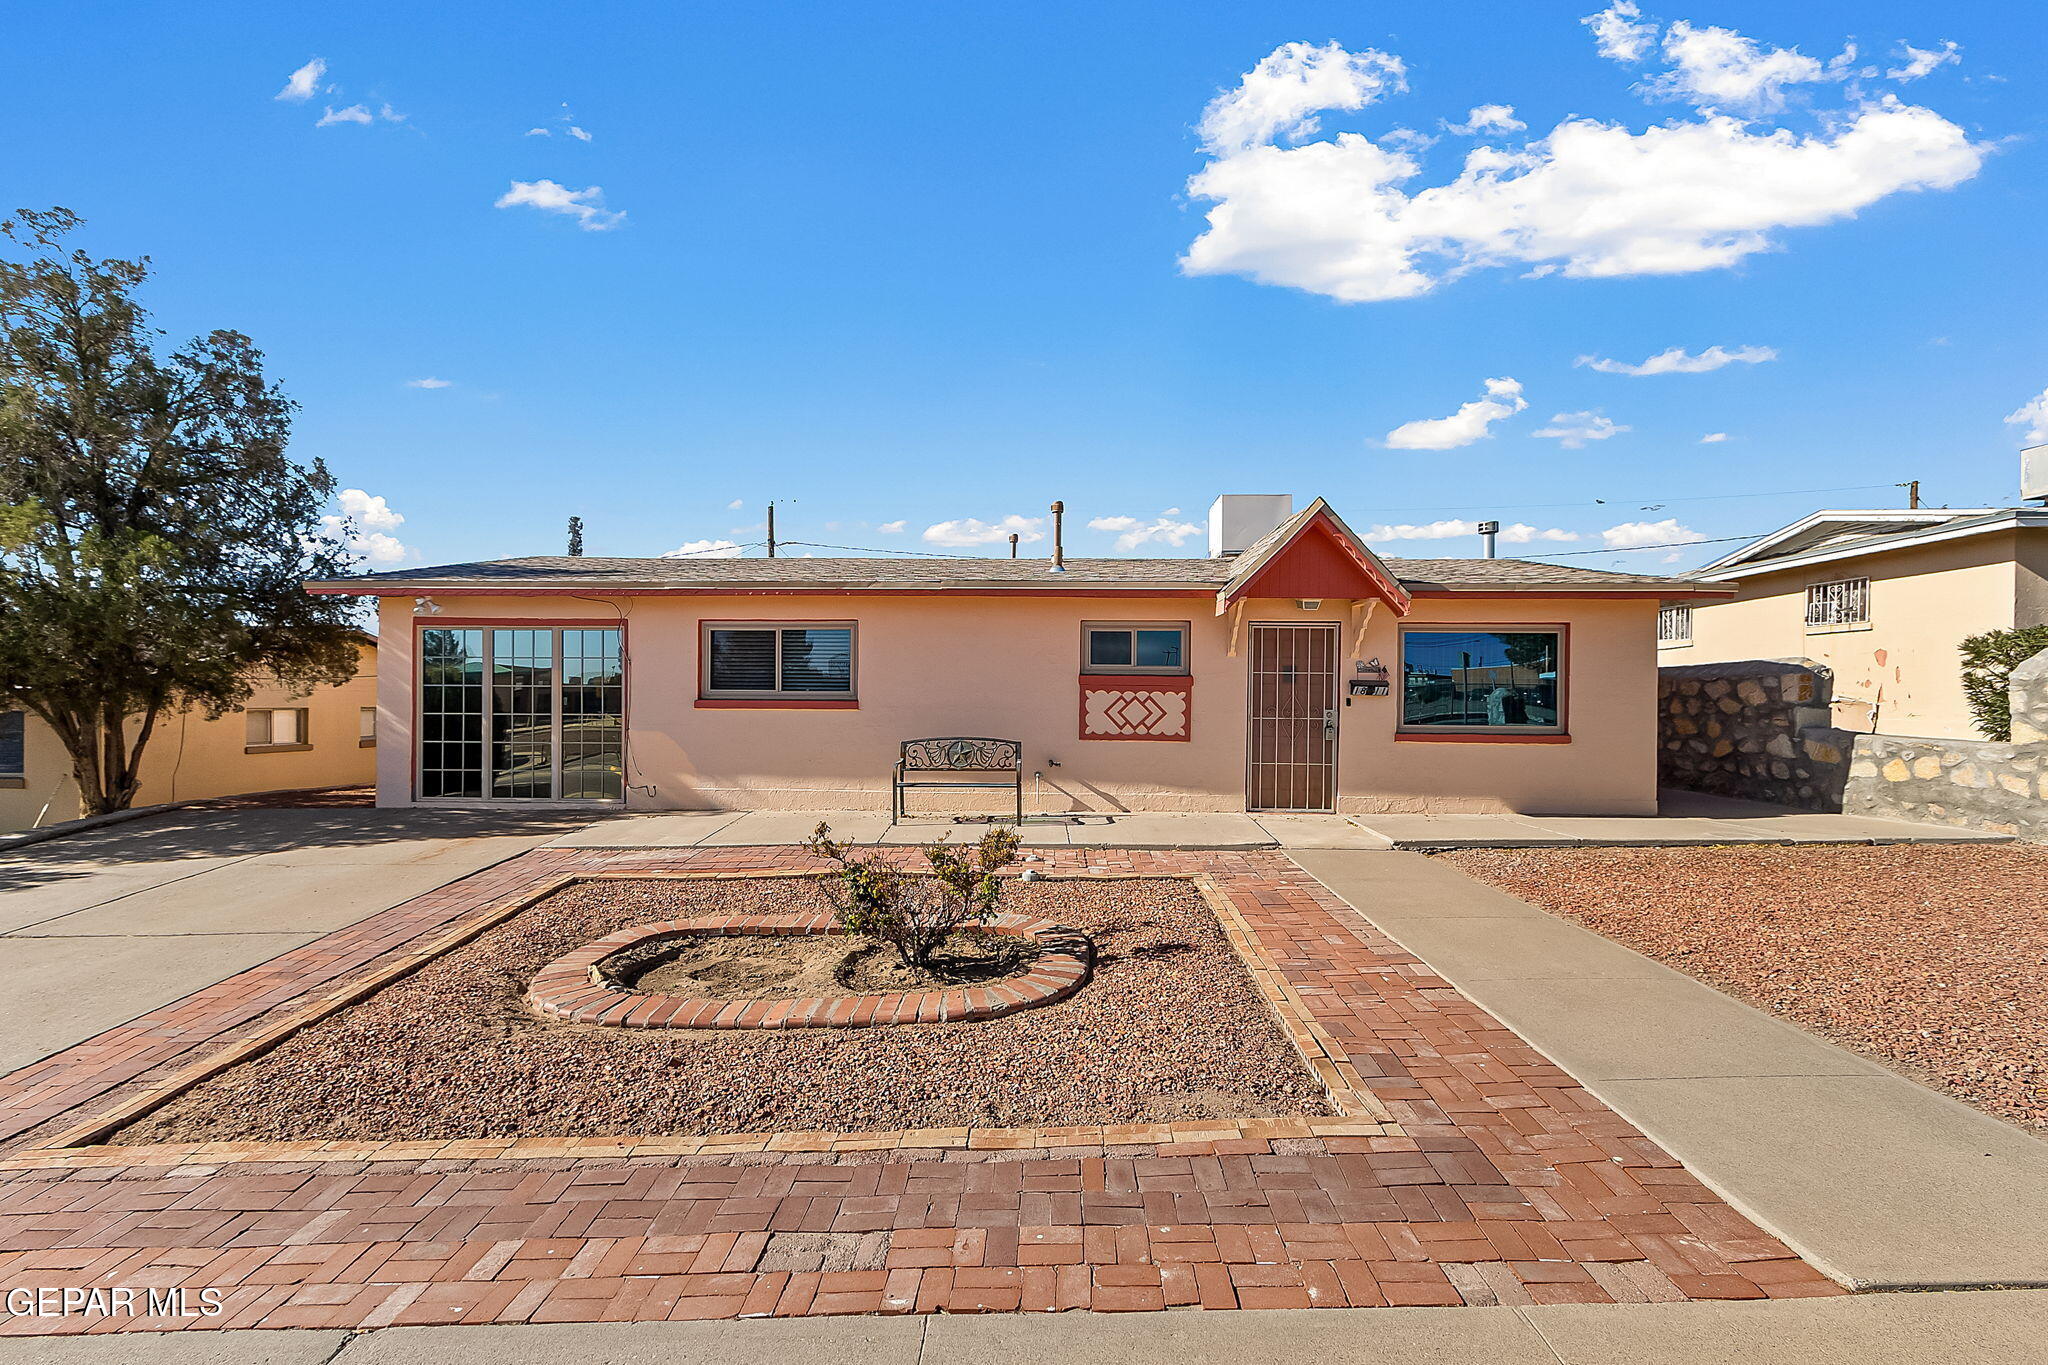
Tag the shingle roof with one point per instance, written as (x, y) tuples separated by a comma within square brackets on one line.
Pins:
[(561, 571)]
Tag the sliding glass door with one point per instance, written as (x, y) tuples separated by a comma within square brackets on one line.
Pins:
[(525, 713)]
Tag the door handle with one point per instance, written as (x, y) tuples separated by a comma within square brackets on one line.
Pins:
[(1330, 723)]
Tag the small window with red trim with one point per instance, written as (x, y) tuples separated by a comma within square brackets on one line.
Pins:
[(1134, 647)]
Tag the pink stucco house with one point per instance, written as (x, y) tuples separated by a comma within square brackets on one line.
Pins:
[(1291, 669)]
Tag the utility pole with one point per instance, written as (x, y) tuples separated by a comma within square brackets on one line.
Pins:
[(771, 530), (1912, 487)]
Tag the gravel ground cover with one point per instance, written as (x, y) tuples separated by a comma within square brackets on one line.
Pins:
[(1171, 1027), (1930, 958)]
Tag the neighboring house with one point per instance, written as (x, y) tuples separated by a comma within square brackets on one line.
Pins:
[(1882, 599), (1256, 678), (278, 741)]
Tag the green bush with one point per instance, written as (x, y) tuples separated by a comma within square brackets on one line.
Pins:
[(915, 914), (1988, 660)]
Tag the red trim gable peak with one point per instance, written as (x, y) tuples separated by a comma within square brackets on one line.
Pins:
[(1322, 559)]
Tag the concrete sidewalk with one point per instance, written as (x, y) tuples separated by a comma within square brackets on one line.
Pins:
[(1876, 1180), (1687, 818), (106, 924), (1990, 1328)]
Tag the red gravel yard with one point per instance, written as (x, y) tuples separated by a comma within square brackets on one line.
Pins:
[(1171, 1027), (1932, 958)]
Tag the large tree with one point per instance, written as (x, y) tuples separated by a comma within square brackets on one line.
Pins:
[(154, 535)]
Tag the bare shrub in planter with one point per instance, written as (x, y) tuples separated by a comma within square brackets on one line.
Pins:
[(915, 914)]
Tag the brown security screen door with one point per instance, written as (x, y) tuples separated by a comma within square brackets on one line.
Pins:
[(1291, 743)]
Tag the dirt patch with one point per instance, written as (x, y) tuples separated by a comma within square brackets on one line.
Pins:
[(1170, 1025), (1931, 958), (796, 966)]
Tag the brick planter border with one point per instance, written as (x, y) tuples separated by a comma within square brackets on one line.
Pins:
[(1498, 1179), (578, 989)]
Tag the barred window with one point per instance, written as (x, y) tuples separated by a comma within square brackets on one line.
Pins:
[(1845, 602), (1674, 625)]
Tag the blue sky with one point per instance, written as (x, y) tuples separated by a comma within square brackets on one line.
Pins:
[(915, 265)]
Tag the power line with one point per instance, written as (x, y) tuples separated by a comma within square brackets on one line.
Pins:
[(1631, 549), (871, 550), (714, 550), (1617, 501)]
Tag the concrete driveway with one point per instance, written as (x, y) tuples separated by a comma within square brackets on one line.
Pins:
[(101, 926)]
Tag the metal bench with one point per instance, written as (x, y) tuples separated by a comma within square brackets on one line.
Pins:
[(959, 755)]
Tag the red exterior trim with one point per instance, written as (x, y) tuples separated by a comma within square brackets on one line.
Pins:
[(862, 591), (1321, 561), (1137, 682), (776, 704), (1567, 595), (1417, 736)]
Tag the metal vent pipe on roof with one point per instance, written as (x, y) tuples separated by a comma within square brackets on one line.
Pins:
[(1487, 531), (1059, 548)]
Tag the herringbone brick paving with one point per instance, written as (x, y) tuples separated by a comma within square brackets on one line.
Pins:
[(1500, 1181)]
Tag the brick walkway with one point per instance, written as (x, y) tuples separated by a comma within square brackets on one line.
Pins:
[(1498, 1180)]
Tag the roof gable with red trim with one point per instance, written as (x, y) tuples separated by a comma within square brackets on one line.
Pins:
[(1314, 555)]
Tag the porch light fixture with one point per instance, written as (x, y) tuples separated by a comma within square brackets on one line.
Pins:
[(425, 606), (1309, 603)]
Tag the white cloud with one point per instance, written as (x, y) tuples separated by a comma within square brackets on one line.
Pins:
[(1405, 140), (538, 132), (364, 527), (578, 133), (1921, 61), (586, 206), (2031, 418), (1484, 117), (1713, 438), (1281, 96), (891, 528), (303, 82), (969, 531), (1678, 361), (1468, 424), (1434, 530), (1718, 68), (1622, 32), (1132, 532), (1520, 533), (705, 549), (358, 113), (735, 505), (1338, 216), (1632, 535), (375, 513), (1572, 430), (428, 383)]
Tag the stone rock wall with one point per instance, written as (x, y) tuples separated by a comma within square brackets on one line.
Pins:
[(1756, 729), (1980, 784)]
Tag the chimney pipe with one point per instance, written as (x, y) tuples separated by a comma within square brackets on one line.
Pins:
[(1059, 548), (1013, 544), (1487, 531)]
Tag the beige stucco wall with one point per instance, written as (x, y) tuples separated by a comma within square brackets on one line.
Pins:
[(1010, 668), (190, 758), (1900, 674), (2030, 595)]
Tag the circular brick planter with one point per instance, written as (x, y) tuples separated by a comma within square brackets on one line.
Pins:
[(576, 987)]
